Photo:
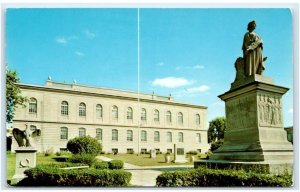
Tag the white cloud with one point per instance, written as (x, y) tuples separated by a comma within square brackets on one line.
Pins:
[(171, 82), (198, 67), (291, 110), (64, 40), (79, 53), (189, 67), (61, 40), (201, 88), (161, 64), (89, 34)]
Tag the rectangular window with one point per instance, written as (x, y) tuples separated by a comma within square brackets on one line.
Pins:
[(81, 132), (143, 136), (169, 150), (114, 135), (130, 151), (114, 151), (143, 151), (156, 136), (99, 134), (129, 135), (63, 133), (169, 137), (198, 137)]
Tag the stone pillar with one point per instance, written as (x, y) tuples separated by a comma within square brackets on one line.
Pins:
[(254, 123), (25, 159)]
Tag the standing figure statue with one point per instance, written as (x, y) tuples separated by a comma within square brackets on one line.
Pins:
[(252, 49)]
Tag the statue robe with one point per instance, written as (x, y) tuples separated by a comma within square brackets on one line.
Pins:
[(253, 58)]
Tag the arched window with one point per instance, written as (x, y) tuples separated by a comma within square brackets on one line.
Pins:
[(82, 110), (197, 119), (156, 115), (180, 137), (99, 111), (169, 136), (168, 117), (143, 135), (64, 133), (129, 113), (156, 136), (143, 115), (129, 135), (198, 137), (115, 112), (81, 132), (114, 135), (32, 105), (64, 108), (99, 134), (180, 118)]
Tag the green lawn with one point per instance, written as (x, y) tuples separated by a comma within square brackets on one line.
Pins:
[(145, 160), (11, 161)]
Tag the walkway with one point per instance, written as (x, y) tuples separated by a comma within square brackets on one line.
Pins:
[(144, 176)]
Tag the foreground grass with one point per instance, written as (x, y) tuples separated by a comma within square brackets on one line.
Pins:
[(40, 159), (145, 160)]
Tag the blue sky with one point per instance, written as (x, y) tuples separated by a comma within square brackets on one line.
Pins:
[(189, 53)]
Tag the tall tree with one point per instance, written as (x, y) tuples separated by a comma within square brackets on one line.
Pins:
[(13, 94), (216, 129)]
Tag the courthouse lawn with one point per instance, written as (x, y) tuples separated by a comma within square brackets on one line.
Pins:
[(11, 161), (145, 160)]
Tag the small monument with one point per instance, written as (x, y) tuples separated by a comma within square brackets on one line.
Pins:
[(25, 153), (254, 121), (153, 153), (179, 155)]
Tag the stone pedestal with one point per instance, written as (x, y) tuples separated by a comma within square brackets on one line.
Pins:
[(25, 159), (179, 154), (254, 124)]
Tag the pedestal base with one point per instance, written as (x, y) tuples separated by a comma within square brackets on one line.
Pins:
[(25, 159), (271, 167)]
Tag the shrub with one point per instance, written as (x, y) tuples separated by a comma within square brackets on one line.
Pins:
[(53, 176), (58, 153), (115, 164), (85, 144), (87, 159), (221, 178), (192, 153), (100, 165)]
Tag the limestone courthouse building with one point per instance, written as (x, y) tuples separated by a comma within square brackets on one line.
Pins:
[(123, 121)]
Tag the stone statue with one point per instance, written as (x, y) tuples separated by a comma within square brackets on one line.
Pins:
[(252, 50), (23, 136)]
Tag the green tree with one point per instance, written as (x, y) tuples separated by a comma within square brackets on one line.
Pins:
[(216, 132), (13, 94)]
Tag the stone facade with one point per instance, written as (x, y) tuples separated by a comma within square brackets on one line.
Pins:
[(59, 110)]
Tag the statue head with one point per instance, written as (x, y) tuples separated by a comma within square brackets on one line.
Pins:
[(251, 26)]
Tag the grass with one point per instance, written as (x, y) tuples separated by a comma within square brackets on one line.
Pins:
[(145, 160), (40, 159)]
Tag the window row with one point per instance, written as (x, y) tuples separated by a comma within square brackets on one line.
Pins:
[(114, 112), (115, 135)]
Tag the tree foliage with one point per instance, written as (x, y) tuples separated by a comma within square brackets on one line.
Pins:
[(216, 129), (13, 94), (216, 132)]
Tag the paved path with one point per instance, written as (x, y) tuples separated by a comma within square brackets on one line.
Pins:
[(144, 176)]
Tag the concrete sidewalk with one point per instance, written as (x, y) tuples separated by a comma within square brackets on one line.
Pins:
[(141, 176)]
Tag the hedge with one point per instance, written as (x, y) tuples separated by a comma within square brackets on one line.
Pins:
[(84, 144), (53, 176), (203, 177), (115, 164), (100, 165), (88, 159)]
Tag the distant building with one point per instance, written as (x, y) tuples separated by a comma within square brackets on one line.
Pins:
[(289, 131), (122, 124)]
